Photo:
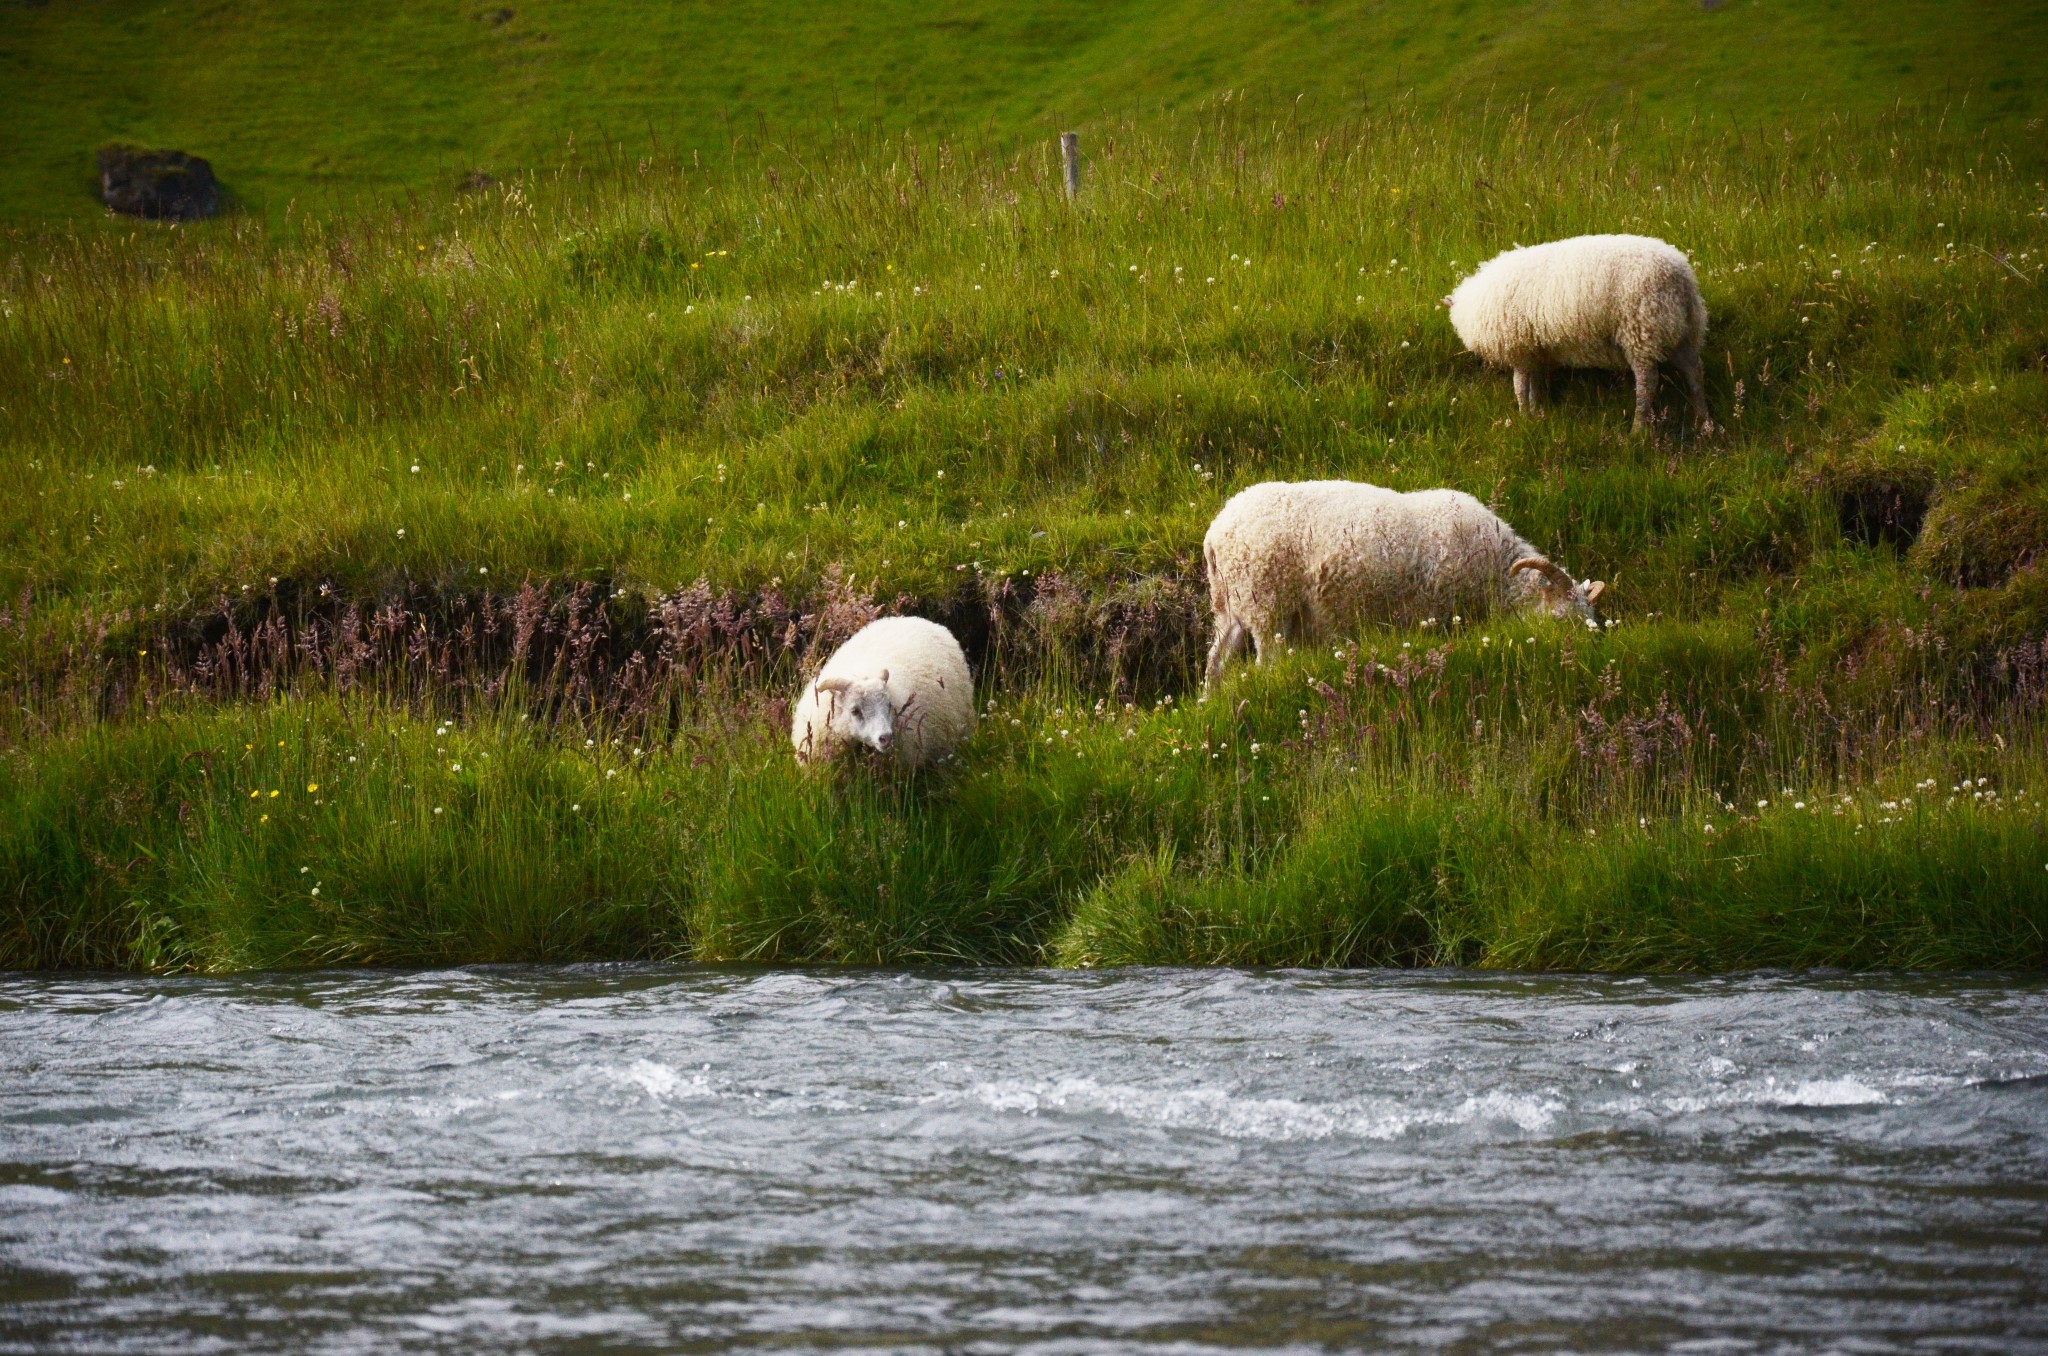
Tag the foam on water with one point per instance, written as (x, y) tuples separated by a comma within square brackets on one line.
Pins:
[(660, 1080), (1219, 1111)]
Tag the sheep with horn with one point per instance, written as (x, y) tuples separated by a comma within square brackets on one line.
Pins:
[(1294, 562)]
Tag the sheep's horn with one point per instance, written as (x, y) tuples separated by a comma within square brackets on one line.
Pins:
[(1548, 569), (1595, 589), (834, 684)]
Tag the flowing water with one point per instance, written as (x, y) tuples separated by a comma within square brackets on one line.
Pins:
[(623, 1159)]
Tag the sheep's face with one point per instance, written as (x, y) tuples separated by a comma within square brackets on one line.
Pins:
[(1557, 594), (1577, 604), (863, 712)]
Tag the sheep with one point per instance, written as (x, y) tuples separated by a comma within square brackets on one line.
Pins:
[(1622, 302), (900, 685), (1298, 561)]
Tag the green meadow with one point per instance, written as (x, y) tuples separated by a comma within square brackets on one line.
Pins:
[(426, 580), (316, 105)]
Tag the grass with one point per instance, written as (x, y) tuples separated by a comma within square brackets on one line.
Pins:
[(322, 830), (314, 105), (567, 481)]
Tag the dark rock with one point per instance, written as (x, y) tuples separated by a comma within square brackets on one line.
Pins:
[(166, 185)]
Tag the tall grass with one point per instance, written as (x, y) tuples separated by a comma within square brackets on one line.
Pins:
[(1498, 802), (586, 470)]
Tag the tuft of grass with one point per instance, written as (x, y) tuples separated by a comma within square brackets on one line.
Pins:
[(325, 833), (1845, 880)]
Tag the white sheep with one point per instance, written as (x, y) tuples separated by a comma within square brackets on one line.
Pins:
[(1298, 561), (1622, 302), (900, 683)]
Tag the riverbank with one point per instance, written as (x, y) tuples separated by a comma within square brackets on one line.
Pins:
[(536, 502), (1453, 809)]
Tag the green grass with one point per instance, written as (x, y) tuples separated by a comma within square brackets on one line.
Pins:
[(321, 831), (430, 485), (319, 104)]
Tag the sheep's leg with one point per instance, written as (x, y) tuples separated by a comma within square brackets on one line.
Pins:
[(1229, 643), (1646, 391), (1529, 382), (1693, 371)]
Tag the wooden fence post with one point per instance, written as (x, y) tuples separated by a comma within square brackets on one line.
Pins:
[(1070, 159)]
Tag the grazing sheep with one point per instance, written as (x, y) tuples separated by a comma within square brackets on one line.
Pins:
[(1624, 302), (1300, 561), (899, 684)]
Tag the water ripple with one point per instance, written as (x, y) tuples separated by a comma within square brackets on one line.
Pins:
[(646, 1158)]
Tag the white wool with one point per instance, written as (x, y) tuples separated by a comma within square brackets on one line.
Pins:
[(1294, 562), (1625, 302), (930, 695)]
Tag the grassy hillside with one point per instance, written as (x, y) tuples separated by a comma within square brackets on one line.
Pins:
[(428, 585), (324, 102)]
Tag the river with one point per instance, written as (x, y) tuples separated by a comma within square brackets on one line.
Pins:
[(676, 1159)]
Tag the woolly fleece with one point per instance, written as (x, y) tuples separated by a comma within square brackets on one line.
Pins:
[(1624, 302), (1298, 561), (929, 692)]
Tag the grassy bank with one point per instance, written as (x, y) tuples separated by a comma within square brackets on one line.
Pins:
[(1321, 817), (582, 472)]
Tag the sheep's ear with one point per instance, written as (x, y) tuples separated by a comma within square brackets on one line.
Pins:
[(885, 675), (1444, 300), (1595, 589), (834, 684)]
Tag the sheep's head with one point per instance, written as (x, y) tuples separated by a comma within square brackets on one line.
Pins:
[(861, 710), (1559, 594)]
